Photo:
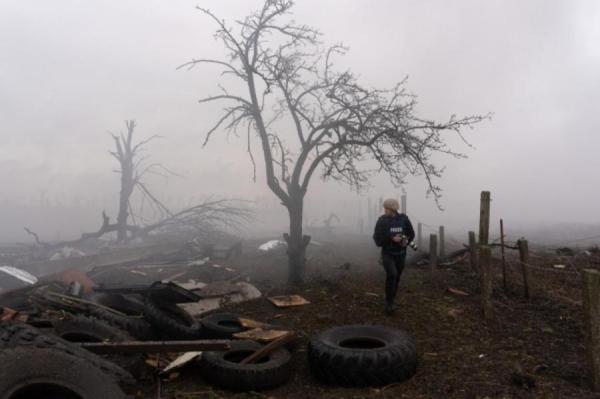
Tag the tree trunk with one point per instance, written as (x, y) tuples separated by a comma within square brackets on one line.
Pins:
[(126, 190), (296, 242)]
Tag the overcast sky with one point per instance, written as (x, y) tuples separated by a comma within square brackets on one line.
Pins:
[(72, 71)]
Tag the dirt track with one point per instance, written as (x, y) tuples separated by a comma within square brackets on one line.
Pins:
[(459, 356)]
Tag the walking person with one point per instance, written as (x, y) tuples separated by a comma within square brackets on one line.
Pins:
[(393, 232)]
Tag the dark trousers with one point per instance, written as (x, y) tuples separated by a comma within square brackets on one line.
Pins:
[(393, 265)]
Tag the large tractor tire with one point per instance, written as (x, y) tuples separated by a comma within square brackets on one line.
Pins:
[(362, 355), (13, 335), (31, 373)]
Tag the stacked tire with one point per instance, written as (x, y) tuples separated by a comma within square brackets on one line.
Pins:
[(221, 325), (171, 321)]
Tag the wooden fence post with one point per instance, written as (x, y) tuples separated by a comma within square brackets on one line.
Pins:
[(591, 314), (485, 257), (442, 245), (503, 256), (473, 251), (524, 258), (484, 218), (419, 235), (433, 259)]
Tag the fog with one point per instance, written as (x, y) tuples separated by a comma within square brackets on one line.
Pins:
[(73, 71)]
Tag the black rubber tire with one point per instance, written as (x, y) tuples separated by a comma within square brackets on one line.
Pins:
[(28, 373), (136, 326), (223, 370), (78, 328), (362, 355), (171, 321), (81, 329), (221, 325), (127, 304), (14, 335)]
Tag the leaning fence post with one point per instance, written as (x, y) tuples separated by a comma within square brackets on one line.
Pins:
[(442, 245), (503, 257), (524, 260), (591, 307), (433, 259), (485, 253), (473, 250), (419, 235), (484, 218)]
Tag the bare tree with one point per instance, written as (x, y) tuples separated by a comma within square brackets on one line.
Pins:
[(200, 220), (132, 170), (336, 126)]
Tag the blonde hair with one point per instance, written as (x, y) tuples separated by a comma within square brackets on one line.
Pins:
[(392, 204)]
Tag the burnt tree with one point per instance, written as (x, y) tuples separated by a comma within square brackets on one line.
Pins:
[(132, 169), (311, 118)]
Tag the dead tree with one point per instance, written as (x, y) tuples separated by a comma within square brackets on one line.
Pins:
[(132, 171), (333, 122)]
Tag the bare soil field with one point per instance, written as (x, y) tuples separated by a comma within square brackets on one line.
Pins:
[(459, 355)]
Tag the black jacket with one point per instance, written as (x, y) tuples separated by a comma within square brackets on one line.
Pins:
[(387, 227)]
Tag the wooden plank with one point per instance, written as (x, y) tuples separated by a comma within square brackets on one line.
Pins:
[(261, 335), (269, 348), (104, 348), (284, 301)]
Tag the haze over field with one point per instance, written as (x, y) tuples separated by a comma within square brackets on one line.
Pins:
[(72, 72)]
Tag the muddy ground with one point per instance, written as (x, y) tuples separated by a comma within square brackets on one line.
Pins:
[(460, 356)]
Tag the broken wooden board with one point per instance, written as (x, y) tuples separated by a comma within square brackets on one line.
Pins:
[(181, 361), (456, 291), (249, 323), (269, 348), (285, 301), (260, 335)]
